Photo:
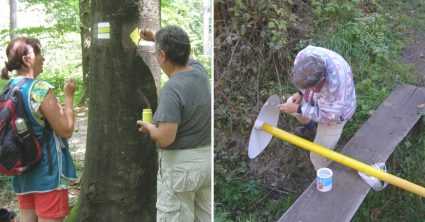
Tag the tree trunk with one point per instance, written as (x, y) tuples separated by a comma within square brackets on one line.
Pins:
[(150, 16), (13, 19), (119, 178), (207, 36), (85, 18)]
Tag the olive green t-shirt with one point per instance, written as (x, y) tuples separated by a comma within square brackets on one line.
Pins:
[(186, 100)]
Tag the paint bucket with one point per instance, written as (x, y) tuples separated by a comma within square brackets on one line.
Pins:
[(324, 179)]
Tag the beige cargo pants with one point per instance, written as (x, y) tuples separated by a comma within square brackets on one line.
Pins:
[(327, 135), (184, 185)]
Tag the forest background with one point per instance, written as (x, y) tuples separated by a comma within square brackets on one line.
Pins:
[(255, 44)]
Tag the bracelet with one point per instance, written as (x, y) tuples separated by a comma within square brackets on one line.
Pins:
[(301, 93)]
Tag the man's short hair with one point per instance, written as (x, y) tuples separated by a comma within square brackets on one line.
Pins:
[(308, 71), (175, 42)]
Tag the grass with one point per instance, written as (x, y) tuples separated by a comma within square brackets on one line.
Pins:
[(393, 203), (6, 192)]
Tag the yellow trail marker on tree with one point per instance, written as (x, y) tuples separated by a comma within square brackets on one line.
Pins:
[(134, 36), (264, 128)]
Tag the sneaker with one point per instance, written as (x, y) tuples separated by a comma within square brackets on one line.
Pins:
[(308, 134)]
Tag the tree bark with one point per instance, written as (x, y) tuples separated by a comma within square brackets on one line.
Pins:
[(85, 18), (206, 37), (13, 19), (150, 16), (119, 178)]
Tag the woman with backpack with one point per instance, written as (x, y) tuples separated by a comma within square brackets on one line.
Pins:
[(182, 128), (42, 191)]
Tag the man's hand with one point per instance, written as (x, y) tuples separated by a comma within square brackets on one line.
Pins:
[(297, 98), (147, 34), (143, 126), (288, 107)]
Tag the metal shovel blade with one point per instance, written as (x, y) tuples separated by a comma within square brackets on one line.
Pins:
[(259, 139)]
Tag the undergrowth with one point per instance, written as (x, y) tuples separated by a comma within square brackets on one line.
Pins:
[(57, 80)]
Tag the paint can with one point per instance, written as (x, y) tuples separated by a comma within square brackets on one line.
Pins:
[(147, 115), (324, 179)]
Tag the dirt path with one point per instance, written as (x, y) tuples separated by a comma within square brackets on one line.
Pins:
[(415, 54), (77, 143)]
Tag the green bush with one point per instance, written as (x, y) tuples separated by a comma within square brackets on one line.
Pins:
[(74, 212), (58, 81)]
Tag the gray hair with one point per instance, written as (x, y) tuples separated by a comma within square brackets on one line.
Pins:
[(175, 43), (308, 71)]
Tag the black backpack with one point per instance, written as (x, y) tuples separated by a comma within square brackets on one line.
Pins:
[(20, 150)]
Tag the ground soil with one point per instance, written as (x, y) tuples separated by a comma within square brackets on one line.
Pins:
[(415, 54)]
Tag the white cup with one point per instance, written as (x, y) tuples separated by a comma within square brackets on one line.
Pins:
[(324, 179)]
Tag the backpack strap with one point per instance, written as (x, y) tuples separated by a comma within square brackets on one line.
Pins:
[(18, 86), (45, 139), (46, 131), (22, 82)]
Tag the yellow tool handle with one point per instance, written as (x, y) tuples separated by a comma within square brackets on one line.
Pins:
[(345, 160)]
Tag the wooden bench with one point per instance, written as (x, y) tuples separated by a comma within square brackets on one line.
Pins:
[(374, 142)]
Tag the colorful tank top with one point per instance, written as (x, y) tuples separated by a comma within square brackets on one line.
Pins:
[(39, 180)]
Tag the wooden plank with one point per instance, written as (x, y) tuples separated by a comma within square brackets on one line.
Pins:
[(374, 142)]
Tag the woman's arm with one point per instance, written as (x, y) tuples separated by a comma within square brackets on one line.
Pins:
[(60, 118)]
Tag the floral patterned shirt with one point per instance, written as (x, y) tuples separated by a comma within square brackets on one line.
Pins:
[(38, 93), (335, 100)]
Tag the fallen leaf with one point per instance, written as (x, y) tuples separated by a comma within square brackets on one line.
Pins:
[(376, 213), (420, 106), (397, 164)]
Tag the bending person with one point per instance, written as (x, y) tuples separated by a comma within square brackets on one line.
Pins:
[(326, 98)]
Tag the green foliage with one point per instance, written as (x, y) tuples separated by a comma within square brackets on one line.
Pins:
[(187, 14), (254, 47), (367, 38), (63, 15), (73, 213), (6, 185), (238, 196), (249, 61), (58, 79)]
